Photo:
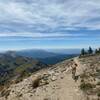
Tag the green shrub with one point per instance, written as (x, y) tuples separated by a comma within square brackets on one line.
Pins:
[(86, 86), (36, 82), (98, 83), (84, 76), (47, 99), (98, 94), (82, 80)]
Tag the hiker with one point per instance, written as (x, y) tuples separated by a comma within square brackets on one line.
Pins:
[(74, 68), (74, 71)]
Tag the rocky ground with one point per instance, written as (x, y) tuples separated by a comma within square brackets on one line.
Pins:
[(90, 78), (60, 82)]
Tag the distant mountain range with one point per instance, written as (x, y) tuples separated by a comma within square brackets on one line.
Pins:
[(57, 58), (49, 56), (65, 51), (36, 53)]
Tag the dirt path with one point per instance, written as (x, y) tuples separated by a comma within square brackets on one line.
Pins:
[(70, 90), (64, 88)]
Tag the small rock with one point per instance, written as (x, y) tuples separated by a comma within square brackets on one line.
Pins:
[(54, 78)]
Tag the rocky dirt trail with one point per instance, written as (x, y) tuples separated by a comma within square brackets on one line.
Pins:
[(60, 85)]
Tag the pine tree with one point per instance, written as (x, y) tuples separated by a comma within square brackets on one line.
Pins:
[(90, 51), (83, 52), (99, 50), (96, 51)]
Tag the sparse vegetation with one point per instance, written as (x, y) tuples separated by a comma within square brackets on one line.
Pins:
[(86, 86), (47, 99), (36, 82), (98, 83), (90, 79), (84, 75), (98, 94), (5, 93)]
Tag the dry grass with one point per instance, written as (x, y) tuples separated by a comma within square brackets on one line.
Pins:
[(36, 81), (5, 93)]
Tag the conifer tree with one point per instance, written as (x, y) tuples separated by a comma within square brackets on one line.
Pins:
[(90, 51), (83, 52), (96, 51), (99, 50)]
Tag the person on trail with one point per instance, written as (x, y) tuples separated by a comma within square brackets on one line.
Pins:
[(74, 70)]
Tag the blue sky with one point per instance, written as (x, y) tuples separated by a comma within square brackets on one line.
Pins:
[(43, 24)]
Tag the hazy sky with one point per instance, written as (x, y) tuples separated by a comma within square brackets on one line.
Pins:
[(49, 24)]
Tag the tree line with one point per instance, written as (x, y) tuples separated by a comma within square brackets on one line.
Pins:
[(90, 51)]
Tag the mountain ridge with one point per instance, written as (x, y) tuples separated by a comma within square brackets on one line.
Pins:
[(46, 56)]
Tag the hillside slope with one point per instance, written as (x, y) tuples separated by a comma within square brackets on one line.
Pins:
[(56, 83), (16, 68)]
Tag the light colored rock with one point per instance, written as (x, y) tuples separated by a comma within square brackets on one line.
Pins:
[(53, 78)]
